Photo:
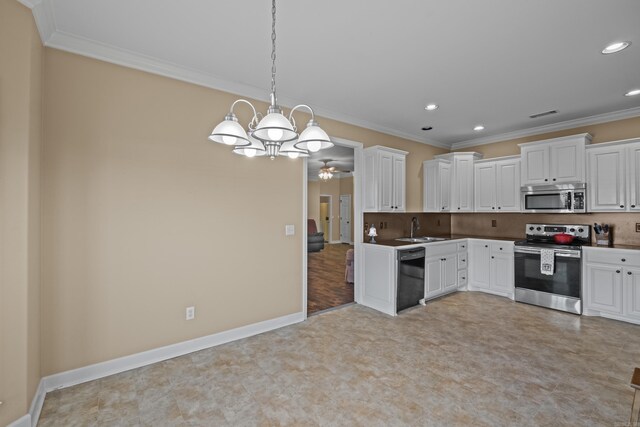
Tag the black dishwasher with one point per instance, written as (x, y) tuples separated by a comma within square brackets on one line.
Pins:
[(410, 289)]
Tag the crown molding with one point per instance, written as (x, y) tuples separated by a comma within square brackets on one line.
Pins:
[(82, 46), (591, 120)]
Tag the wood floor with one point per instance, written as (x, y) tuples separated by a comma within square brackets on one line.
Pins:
[(326, 287)]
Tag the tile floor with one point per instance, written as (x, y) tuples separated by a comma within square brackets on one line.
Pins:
[(466, 359)]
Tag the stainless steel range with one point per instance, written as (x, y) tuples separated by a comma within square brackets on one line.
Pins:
[(549, 274)]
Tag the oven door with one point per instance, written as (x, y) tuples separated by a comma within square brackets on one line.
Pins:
[(566, 279)]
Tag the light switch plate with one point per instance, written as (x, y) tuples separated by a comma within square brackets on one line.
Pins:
[(289, 230)]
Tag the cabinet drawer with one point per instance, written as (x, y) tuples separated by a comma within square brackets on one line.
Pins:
[(462, 246), (502, 247), (440, 249), (462, 261), (612, 256), (462, 278)]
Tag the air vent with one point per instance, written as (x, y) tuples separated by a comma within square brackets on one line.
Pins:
[(546, 113)]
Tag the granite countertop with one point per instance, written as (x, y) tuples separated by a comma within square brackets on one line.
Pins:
[(628, 247), (397, 243)]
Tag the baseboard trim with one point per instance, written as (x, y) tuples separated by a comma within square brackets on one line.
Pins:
[(126, 363), (24, 421), (36, 404)]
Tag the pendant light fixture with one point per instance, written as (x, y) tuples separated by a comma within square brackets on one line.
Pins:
[(274, 134)]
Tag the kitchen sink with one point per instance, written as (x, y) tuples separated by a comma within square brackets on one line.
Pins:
[(420, 239)]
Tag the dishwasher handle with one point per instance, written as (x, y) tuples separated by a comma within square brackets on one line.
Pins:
[(409, 254)]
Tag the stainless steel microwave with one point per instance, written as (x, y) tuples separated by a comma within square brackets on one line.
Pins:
[(561, 198)]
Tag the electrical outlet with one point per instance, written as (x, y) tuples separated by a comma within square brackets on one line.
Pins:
[(190, 313), (494, 223), (289, 230)]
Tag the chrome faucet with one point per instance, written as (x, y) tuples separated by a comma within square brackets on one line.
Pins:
[(415, 225)]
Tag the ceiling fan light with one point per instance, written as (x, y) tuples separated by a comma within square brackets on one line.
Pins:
[(229, 132), (275, 127), (313, 138)]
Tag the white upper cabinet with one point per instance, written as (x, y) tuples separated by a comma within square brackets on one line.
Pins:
[(554, 161), (613, 176), (448, 183), (384, 179), (497, 185), (633, 158)]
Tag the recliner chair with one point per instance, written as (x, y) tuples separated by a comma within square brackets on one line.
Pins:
[(315, 239)]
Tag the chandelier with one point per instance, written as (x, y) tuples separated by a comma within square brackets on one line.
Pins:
[(274, 134)]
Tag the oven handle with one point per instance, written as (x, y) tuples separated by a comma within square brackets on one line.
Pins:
[(557, 252)]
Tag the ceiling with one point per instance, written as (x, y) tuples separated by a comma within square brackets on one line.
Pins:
[(377, 63), (342, 158)]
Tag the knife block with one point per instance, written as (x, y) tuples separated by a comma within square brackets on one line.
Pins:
[(604, 239)]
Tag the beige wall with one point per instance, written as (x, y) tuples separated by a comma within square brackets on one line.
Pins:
[(603, 132), (313, 201), (143, 217), (20, 139)]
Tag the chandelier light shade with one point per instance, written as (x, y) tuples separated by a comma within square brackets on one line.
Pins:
[(229, 132), (313, 138), (272, 135), (254, 149)]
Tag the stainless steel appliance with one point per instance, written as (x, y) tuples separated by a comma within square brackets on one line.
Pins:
[(562, 288), (410, 286), (561, 198)]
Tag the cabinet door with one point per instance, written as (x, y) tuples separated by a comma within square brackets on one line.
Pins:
[(567, 162), (430, 187), (450, 273), (535, 164), (479, 265), (633, 156), (444, 186), (606, 179), (502, 273), (508, 186), (386, 182), (485, 182), (399, 182), (463, 185), (632, 293), (604, 288), (370, 182), (432, 277)]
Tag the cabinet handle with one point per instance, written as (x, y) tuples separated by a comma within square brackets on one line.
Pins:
[(622, 206), (493, 207), (554, 179), (486, 246), (633, 206), (499, 207), (623, 260), (629, 273), (546, 179), (617, 271), (500, 248), (458, 208), (464, 260), (492, 257)]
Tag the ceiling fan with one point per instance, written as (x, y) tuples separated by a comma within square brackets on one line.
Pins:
[(326, 172)]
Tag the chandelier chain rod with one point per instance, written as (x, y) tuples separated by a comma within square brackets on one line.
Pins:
[(273, 51)]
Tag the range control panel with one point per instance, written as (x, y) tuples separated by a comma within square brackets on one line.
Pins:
[(581, 231)]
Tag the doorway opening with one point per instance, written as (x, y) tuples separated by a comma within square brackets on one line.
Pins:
[(331, 270)]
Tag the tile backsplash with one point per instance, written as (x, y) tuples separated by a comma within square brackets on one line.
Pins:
[(396, 225)]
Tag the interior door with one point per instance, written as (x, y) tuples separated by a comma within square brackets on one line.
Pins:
[(345, 218)]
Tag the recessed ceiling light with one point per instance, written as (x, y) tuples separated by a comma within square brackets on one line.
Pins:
[(431, 107), (616, 47), (633, 92), (478, 128)]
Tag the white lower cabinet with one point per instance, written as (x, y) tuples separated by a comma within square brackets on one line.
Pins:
[(611, 285), (379, 278), (491, 267), (441, 269)]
